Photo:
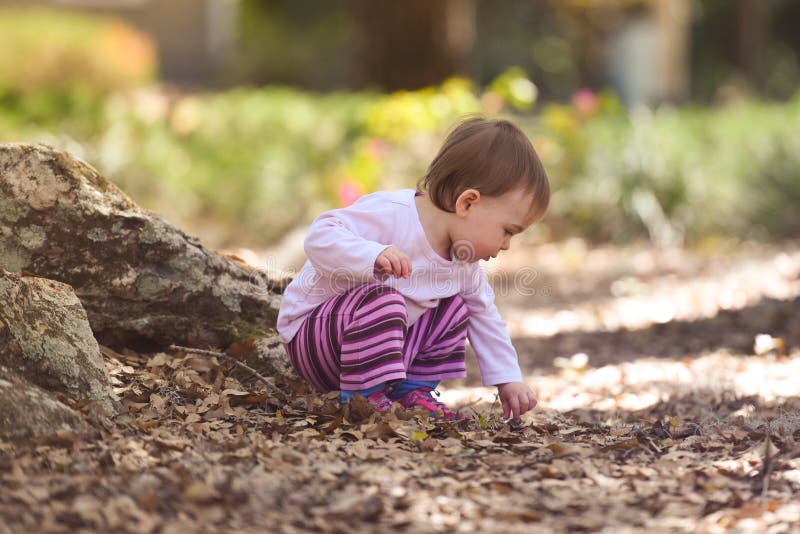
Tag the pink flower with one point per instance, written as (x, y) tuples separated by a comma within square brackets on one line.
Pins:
[(376, 148), (585, 101), (349, 192)]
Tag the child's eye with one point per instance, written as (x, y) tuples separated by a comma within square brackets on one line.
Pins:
[(509, 233)]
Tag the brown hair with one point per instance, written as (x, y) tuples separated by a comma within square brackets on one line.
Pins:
[(491, 155)]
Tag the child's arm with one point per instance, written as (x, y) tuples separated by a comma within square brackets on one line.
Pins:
[(497, 357), (346, 243), (488, 335)]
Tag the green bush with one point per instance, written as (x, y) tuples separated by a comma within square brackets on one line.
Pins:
[(54, 64), (247, 165), (685, 174)]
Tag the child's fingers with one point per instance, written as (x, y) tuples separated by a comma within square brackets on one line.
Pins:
[(384, 265), (394, 262), (506, 410), (406, 267), (523, 405), (527, 402), (397, 269), (514, 402)]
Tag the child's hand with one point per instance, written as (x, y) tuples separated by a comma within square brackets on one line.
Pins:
[(517, 398), (392, 261)]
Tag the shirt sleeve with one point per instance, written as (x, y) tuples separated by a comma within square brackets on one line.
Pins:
[(488, 335), (343, 244)]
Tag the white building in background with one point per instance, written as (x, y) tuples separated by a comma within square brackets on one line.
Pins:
[(194, 37)]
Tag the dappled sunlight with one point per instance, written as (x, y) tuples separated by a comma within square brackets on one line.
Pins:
[(632, 301), (625, 331), (643, 383), (667, 379), (655, 309), (640, 384)]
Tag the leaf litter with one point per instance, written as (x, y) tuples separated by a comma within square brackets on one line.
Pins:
[(632, 444)]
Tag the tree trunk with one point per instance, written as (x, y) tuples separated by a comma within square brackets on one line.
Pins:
[(143, 282), (752, 30), (673, 18), (413, 43)]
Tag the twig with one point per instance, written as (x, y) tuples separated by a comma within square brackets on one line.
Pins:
[(232, 360), (767, 467)]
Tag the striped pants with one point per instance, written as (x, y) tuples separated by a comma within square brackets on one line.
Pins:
[(360, 339)]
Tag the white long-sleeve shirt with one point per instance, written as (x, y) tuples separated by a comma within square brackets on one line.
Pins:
[(342, 246)]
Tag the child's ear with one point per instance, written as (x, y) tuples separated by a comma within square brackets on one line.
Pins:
[(466, 201)]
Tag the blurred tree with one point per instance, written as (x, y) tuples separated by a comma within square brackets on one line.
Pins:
[(782, 54), (639, 47), (304, 44), (529, 34), (411, 44), (745, 47), (751, 29)]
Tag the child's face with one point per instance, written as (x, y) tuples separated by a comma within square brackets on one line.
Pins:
[(484, 225)]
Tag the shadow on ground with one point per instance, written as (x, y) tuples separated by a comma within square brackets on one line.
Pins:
[(732, 330)]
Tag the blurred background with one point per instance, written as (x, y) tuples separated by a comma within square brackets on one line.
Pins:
[(675, 122)]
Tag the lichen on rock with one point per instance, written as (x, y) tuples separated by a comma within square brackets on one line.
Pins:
[(139, 278), (27, 411), (46, 339)]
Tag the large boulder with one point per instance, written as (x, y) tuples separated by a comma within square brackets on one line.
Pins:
[(141, 280)]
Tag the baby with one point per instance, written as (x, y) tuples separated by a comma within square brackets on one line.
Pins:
[(392, 287)]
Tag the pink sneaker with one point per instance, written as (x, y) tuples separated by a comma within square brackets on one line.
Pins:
[(380, 401), (424, 398)]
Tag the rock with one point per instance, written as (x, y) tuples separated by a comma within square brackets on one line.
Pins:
[(27, 411), (142, 281), (268, 357), (47, 351), (45, 339)]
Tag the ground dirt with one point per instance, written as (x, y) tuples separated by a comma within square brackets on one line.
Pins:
[(668, 385)]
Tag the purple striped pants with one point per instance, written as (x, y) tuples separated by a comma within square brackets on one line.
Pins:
[(360, 339)]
